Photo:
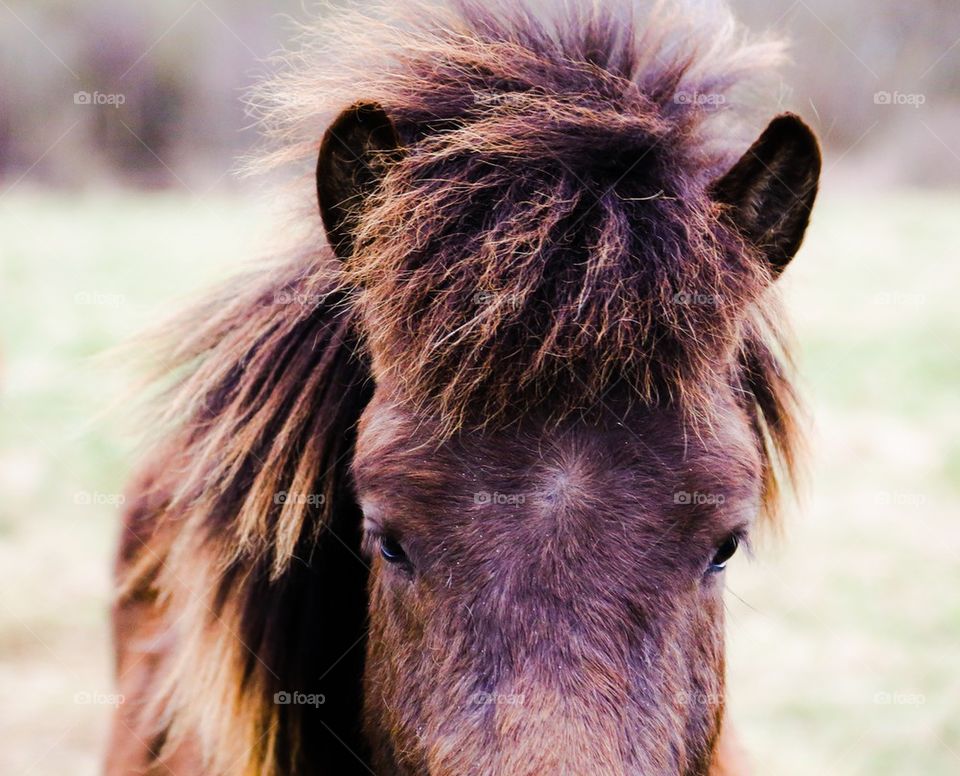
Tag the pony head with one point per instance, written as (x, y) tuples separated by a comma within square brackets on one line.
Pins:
[(537, 392)]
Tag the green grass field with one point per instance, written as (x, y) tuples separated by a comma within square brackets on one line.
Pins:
[(844, 635)]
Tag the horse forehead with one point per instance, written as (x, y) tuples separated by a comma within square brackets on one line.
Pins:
[(566, 475), (561, 456), (541, 466), (589, 467)]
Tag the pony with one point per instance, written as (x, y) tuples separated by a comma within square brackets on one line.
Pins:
[(449, 487)]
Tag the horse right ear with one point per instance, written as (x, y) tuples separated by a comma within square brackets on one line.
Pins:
[(353, 156), (769, 193)]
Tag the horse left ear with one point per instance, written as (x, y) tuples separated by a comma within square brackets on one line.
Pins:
[(353, 155), (770, 191)]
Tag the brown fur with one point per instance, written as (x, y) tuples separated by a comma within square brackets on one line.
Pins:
[(510, 319), (577, 601)]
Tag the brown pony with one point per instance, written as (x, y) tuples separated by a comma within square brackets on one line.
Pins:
[(450, 490)]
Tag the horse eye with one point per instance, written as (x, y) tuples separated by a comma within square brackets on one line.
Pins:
[(724, 552), (392, 551)]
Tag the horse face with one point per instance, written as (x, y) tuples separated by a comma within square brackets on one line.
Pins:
[(548, 600)]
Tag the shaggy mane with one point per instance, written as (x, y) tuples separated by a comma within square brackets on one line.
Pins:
[(547, 233), (546, 237)]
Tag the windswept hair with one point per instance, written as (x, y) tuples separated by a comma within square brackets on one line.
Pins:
[(547, 232), (546, 236)]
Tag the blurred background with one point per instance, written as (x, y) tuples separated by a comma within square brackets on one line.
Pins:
[(120, 124)]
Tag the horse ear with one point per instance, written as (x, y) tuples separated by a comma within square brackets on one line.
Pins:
[(770, 191), (352, 156)]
